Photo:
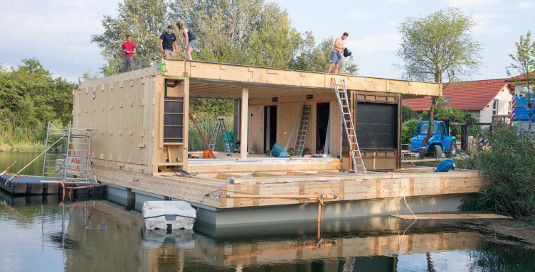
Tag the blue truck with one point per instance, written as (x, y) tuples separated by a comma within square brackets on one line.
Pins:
[(440, 142)]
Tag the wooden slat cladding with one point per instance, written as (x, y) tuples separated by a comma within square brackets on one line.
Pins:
[(385, 157)]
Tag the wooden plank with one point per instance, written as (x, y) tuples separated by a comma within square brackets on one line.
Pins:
[(451, 216), (263, 165)]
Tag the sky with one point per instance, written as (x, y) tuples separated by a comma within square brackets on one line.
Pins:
[(58, 32)]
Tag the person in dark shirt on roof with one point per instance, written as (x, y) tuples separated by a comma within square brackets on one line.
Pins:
[(129, 49), (190, 41), (168, 42)]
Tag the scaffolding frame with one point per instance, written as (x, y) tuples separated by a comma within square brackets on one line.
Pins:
[(70, 158)]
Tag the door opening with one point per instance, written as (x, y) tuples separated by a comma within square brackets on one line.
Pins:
[(322, 128), (270, 127)]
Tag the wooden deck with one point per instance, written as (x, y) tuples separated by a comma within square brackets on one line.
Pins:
[(267, 182)]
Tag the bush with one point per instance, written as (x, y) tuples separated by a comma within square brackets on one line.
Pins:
[(408, 114), (509, 168), (407, 130)]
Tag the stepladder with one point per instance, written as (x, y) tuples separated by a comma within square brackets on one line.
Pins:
[(342, 97), (220, 129), (302, 130)]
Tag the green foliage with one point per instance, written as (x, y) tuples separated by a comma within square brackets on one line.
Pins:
[(206, 124), (29, 98), (408, 114), (407, 130), (454, 115), (439, 46), (211, 107), (316, 57), (144, 20), (229, 31), (509, 169)]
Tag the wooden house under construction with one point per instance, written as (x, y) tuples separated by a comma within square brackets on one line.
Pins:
[(140, 121)]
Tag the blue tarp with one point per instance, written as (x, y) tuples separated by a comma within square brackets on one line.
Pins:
[(522, 110), (445, 166), (278, 151)]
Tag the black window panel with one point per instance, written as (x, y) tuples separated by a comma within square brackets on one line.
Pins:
[(376, 125), (172, 132), (173, 106), (173, 119)]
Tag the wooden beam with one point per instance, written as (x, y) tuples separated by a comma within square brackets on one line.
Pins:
[(240, 75), (244, 122)]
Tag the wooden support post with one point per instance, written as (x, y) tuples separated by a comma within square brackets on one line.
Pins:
[(244, 122), (236, 128)]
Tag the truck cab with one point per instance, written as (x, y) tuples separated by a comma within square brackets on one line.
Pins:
[(440, 142)]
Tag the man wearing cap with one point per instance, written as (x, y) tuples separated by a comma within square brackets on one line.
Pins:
[(336, 54), (129, 49), (168, 42)]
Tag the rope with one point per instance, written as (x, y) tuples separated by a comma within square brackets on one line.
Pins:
[(82, 187), (401, 194), (16, 174)]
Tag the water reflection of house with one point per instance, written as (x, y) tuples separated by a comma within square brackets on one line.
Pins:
[(116, 248), (122, 247)]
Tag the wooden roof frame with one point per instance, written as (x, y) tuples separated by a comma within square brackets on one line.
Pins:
[(255, 78)]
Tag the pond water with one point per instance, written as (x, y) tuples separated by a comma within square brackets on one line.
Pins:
[(39, 234)]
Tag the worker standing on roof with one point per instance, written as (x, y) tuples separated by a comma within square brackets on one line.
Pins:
[(129, 49), (190, 41), (168, 42), (336, 54)]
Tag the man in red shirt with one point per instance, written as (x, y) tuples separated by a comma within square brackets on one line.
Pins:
[(129, 49)]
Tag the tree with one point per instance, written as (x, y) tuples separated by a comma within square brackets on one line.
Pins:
[(524, 63), (315, 57), (144, 20), (438, 47), (240, 31), (29, 98), (408, 114)]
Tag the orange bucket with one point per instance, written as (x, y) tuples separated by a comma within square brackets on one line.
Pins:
[(207, 155)]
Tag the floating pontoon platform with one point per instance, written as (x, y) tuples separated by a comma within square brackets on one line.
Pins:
[(36, 185)]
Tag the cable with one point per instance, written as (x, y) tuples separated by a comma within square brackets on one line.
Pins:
[(401, 194)]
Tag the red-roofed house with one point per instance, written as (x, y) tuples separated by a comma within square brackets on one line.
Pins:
[(483, 98)]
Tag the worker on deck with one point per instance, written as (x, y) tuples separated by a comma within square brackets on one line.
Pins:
[(168, 42), (129, 49), (190, 41), (336, 54)]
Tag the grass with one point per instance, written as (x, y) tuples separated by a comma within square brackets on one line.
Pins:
[(6, 146), (207, 125)]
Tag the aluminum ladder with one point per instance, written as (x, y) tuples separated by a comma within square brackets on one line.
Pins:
[(221, 128), (302, 131), (349, 126), (70, 158)]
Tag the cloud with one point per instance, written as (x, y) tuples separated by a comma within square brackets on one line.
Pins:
[(359, 14), (487, 24), (525, 5), (375, 43), (53, 30), (471, 3)]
